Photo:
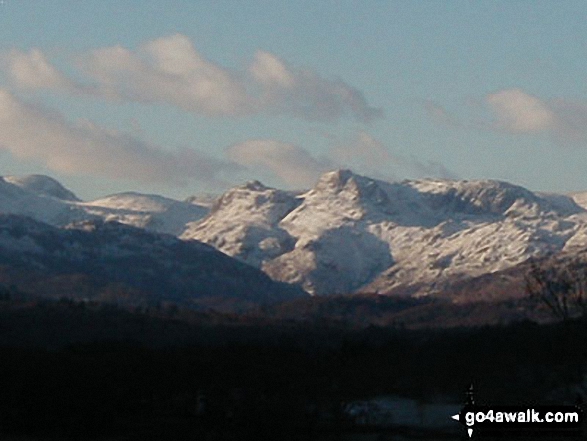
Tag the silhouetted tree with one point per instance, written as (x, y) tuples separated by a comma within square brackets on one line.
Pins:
[(562, 287)]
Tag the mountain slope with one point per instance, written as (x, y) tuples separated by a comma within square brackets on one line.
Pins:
[(244, 223), (46, 200), (352, 233), (43, 186), (110, 261), (580, 198), (349, 233), (155, 213), (16, 197)]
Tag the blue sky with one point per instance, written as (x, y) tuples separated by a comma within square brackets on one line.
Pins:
[(183, 97)]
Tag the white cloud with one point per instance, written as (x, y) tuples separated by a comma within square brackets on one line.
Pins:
[(298, 168), (269, 70), (170, 70), (305, 94), (34, 133), (167, 70), (365, 153), (32, 70), (519, 112), (369, 156), (292, 165)]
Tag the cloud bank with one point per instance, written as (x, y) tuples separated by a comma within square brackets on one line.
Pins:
[(33, 132), (372, 157), (305, 94), (297, 168), (36, 133), (171, 71), (32, 70), (292, 165)]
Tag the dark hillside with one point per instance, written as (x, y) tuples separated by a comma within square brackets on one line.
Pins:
[(108, 261), (81, 371)]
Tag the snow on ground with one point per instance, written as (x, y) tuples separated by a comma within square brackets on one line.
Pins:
[(348, 232), (46, 200), (580, 198)]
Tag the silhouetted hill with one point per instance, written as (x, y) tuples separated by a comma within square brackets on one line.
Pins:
[(108, 261)]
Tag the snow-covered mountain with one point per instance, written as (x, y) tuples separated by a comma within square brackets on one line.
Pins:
[(243, 223), (152, 212), (352, 233), (42, 186), (580, 198), (44, 199), (349, 232)]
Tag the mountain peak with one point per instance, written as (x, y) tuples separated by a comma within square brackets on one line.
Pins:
[(253, 196), (351, 186), (335, 179), (254, 186), (43, 186), (486, 196)]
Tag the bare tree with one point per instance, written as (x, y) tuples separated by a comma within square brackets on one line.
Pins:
[(561, 286)]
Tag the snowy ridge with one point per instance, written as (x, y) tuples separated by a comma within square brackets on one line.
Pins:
[(244, 221), (44, 199), (485, 197), (353, 233), (152, 212), (349, 232), (42, 185), (580, 199), (22, 200)]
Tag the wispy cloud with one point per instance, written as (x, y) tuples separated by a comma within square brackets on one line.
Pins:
[(572, 117), (517, 112), (304, 93), (296, 167), (429, 169), (365, 154), (170, 70), (32, 70), (440, 115), (290, 164), (368, 155), (36, 133)]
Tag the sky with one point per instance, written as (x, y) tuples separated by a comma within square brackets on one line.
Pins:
[(186, 97)]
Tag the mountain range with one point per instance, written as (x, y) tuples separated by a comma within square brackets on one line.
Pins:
[(347, 234)]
